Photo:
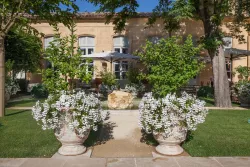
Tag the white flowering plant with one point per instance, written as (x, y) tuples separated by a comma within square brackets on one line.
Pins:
[(134, 88), (11, 87), (80, 111), (163, 114), (242, 91)]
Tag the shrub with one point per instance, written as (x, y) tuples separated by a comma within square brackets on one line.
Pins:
[(11, 85), (135, 88), (205, 91), (133, 75), (161, 115), (39, 91), (170, 64), (242, 88), (108, 79)]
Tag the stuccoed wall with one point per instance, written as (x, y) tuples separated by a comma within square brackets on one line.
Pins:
[(137, 34)]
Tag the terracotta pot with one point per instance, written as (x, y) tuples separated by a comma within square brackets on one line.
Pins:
[(171, 144), (72, 144)]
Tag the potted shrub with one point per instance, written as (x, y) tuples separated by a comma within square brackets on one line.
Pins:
[(170, 118), (170, 64), (71, 114)]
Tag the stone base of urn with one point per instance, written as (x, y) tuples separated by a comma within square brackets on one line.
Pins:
[(171, 144), (120, 100), (72, 144)]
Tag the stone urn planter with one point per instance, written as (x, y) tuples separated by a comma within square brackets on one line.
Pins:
[(72, 143), (71, 116), (171, 145), (170, 118)]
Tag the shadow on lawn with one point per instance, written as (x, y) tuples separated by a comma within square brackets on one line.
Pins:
[(209, 101), (17, 112), (102, 135), (21, 102)]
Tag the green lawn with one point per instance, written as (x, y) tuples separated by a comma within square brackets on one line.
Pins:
[(210, 102), (20, 136), (26, 102), (224, 133)]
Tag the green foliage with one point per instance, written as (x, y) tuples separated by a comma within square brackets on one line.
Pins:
[(8, 69), (39, 91), (67, 63), (15, 12), (244, 72), (108, 79), (170, 64), (133, 75), (24, 50), (205, 91), (127, 9)]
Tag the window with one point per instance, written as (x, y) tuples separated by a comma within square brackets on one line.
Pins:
[(47, 41), (121, 44), (229, 68), (90, 66), (87, 45), (121, 68)]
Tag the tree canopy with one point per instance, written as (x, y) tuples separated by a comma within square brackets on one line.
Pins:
[(170, 64), (24, 50)]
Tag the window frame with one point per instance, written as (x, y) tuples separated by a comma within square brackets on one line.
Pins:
[(124, 44), (229, 71), (87, 69), (121, 70), (86, 47)]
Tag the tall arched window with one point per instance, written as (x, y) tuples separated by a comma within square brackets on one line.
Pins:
[(87, 44), (121, 44)]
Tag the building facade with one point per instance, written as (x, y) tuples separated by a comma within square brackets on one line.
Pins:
[(95, 36)]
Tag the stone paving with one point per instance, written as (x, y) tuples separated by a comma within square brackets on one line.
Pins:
[(128, 162)]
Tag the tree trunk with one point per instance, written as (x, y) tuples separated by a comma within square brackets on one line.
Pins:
[(221, 83), (2, 76)]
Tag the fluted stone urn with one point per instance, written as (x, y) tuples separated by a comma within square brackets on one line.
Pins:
[(72, 144), (171, 145)]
